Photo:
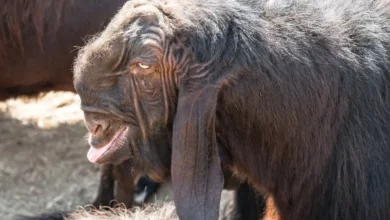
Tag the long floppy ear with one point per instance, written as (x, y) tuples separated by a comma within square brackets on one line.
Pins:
[(197, 176)]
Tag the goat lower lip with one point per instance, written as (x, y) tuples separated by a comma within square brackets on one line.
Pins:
[(95, 153)]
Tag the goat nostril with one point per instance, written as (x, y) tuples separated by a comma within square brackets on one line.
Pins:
[(96, 129)]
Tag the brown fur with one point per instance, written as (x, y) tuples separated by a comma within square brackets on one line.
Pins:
[(38, 40), (17, 15)]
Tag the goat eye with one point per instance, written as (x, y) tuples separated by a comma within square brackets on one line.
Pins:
[(143, 66)]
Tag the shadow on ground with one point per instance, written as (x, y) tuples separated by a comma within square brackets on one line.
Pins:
[(43, 169), (43, 163)]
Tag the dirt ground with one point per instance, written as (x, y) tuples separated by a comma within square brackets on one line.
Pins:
[(43, 164)]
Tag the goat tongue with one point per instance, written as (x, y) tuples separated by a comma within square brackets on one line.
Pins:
[(95, 153)]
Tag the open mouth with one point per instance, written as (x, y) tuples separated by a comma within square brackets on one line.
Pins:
[(116, 142)]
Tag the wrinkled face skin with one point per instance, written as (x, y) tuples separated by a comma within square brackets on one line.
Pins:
[(126, 90), (149, 86)]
